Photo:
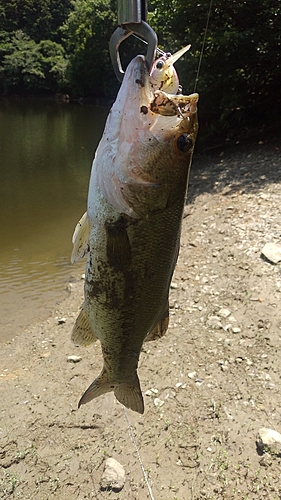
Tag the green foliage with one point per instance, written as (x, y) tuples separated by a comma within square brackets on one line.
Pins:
[(240, 72), (48, 44), (86, 34), (29, 66), (39, 19)]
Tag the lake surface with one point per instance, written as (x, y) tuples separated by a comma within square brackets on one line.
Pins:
[(46, 152)]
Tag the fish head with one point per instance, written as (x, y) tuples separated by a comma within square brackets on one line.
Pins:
[(146, 150)]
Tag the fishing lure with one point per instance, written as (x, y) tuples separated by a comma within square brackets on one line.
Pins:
[(163, 75)]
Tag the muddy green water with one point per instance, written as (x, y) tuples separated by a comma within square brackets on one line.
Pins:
[(46, 152)]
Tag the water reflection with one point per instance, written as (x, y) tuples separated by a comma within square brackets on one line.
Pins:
[(46, 151)]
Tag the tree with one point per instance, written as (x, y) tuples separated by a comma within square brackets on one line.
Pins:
[(86, 35), (26, 66), (241, 61), (39, 19)]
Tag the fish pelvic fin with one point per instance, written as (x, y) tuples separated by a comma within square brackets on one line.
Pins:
[(82, 333), (128, 394), (80, 239), (160, 329)]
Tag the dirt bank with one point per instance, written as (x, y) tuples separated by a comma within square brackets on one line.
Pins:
[(211, 383)]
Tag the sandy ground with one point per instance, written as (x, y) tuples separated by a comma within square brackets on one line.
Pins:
[(209, 385)]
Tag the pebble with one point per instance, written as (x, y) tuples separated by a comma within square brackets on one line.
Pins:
[(74, 359), (224, 313), (214, 322), (238, 360), (269, 440), (113, 477), (236, 329), (158, 402), (272, 252)]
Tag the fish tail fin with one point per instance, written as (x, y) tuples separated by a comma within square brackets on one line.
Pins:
[(100, 386), (127, 394), (130, 395)]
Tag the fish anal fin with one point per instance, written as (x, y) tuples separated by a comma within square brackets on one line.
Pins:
[(80, 238), (82, 333), (160, 329), (100, 386), (130, 395)]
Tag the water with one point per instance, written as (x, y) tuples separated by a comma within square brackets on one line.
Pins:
[(46, 151)]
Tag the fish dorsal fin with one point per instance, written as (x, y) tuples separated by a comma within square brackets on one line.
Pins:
[(160, 329), (82, 333), (80, 238)]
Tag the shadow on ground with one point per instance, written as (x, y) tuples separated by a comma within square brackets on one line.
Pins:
[(242, 168)]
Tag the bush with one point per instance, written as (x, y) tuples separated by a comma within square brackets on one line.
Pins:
[(27, 66)]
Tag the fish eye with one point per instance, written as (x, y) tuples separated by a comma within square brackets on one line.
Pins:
[(184, 143), (159, 64)]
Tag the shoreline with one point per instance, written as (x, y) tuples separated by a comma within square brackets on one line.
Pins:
[(209, 385)]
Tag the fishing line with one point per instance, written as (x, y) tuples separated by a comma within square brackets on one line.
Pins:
[(131, 432), (203, 46), (146, 43)]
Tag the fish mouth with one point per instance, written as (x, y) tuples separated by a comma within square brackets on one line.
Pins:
[(174, 105), (139, 93)]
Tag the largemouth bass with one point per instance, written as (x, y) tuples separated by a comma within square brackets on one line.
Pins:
[(131, 230)]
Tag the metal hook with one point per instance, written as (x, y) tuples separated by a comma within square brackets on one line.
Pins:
[(121, 33)]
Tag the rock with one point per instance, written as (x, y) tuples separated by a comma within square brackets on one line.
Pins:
[(214, 322), (236, 329), (113, 477), (272, 252), (266, 460), (158, 402), (74, 359), (224, 313), (61, 321), (269, 440), (174, 285)]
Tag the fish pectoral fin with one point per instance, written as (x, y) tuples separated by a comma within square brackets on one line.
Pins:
[(130, 395), (82, 333), (80, 238), (160, 329), (100, 386), (118, 248)]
